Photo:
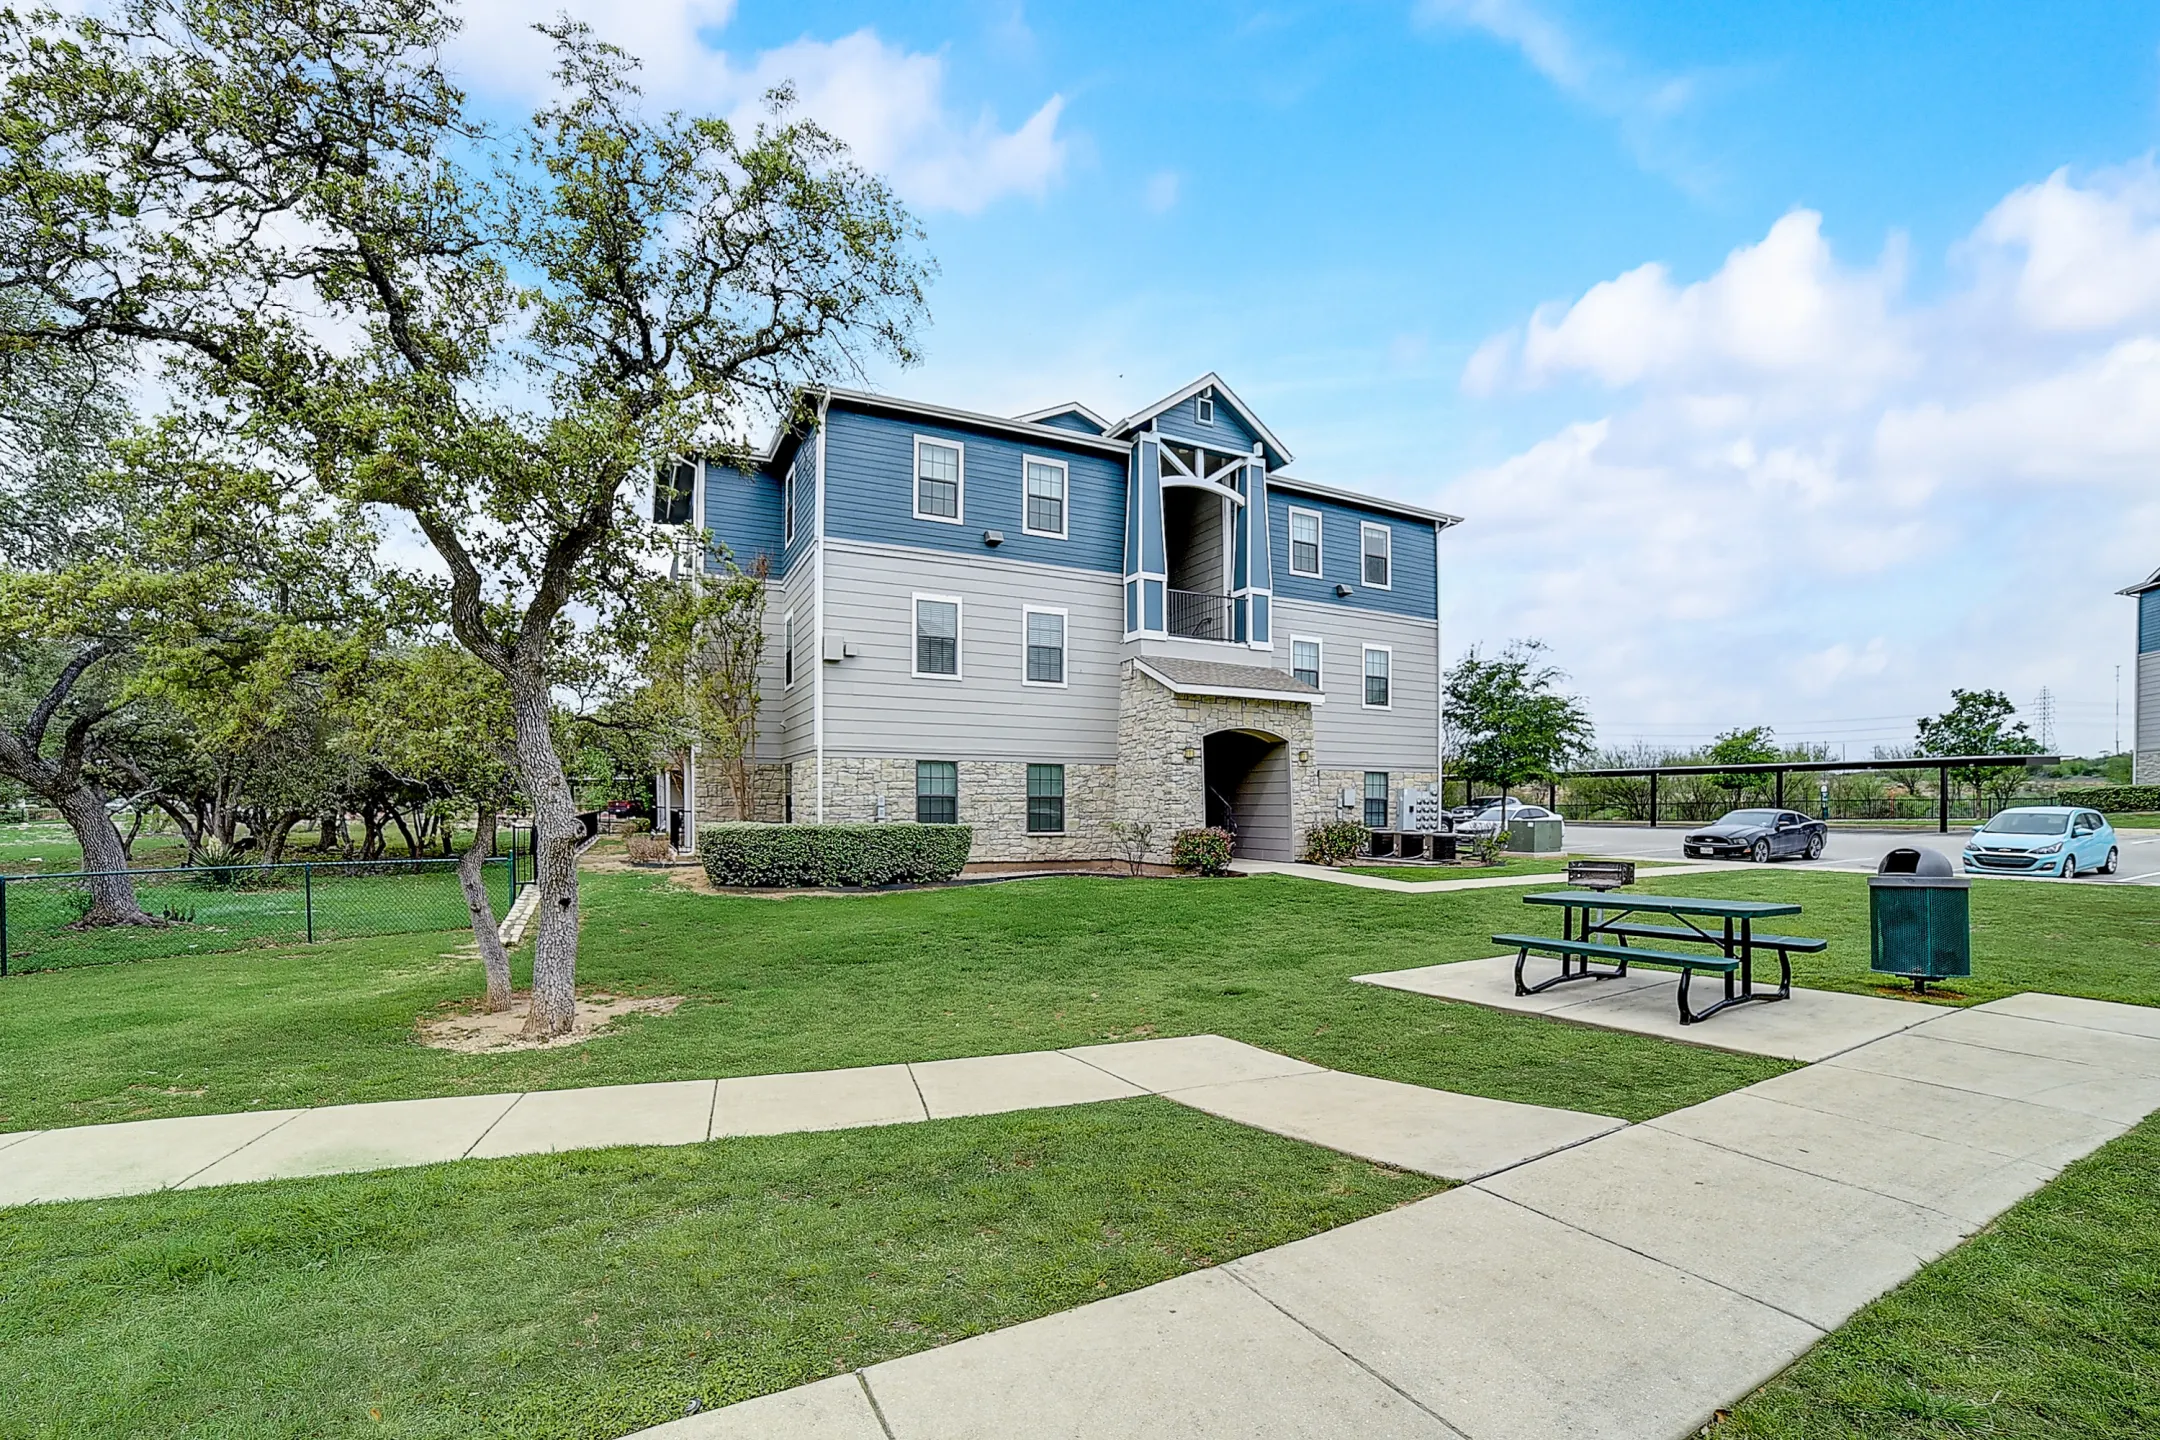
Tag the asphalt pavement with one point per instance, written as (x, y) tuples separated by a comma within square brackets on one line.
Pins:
[(1860, 851)]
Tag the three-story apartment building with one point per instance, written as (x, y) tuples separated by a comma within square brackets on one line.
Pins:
[(1044, 625)]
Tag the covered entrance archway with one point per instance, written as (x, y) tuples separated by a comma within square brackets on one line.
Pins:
[(1246, 774)]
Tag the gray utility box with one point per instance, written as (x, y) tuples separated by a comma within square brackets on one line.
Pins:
[(1535, 837), (1919, 918)]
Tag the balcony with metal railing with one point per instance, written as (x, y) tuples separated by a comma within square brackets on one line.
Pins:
[(1199, 615)]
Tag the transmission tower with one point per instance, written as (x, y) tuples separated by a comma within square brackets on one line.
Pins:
[(2044, 711)]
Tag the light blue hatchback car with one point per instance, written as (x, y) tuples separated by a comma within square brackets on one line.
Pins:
[(2043, 840)]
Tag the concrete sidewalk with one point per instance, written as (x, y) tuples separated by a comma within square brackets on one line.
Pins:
[(1622, 1289), (1327, 874), (1434, 1132)]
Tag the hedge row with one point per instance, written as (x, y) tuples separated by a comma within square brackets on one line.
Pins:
[(2114, 797), (800, 856)]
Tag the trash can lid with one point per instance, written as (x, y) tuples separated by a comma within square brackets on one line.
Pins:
[(1907, 860)]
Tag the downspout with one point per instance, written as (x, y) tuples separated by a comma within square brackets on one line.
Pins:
[(1439, 679), (817, 611)]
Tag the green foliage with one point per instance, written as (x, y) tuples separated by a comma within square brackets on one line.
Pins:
[(1202, 851), (805, 856), (1489, 847), (1755, 745), (633, 825), (2117, 798), (1507, 721), (1335, 841), (1979, 722)]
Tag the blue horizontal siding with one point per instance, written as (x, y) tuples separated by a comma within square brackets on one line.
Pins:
[(742, 512), (1413, 546), (1228, 433), (871, 460), (1071, 420), (2149, 622)]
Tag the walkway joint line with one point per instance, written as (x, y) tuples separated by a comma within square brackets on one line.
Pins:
[(862, 1378), (467, 1151), (236, 1149), (920, 1098)]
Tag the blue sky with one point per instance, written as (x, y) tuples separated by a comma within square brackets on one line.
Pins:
[(1879, 419)]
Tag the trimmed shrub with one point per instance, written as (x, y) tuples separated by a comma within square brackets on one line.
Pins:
[(633, 825), (647, 849), (1203, 852), (2113, 797), (803, 856), (1335, 842)]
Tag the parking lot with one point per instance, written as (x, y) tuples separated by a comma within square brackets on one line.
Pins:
[(1861, 850)]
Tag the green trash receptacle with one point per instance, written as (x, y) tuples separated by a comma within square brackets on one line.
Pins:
[(1919, 918)]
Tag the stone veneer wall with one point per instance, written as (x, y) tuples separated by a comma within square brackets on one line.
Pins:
[(993, 800), (1334, 782), (1157, 783), (716, 798)]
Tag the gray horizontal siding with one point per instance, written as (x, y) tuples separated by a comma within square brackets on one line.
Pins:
[(1414, 582), (871, 465), (2148, 700), (875, 706), (1348, 736), (792, 734)]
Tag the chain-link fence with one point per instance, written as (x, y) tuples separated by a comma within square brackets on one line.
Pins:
[(208, 909)]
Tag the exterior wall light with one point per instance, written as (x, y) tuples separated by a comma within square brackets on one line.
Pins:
[(1342, 592), (993, 538), (1191, 754)]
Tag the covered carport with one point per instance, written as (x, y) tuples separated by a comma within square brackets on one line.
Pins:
[(1777, 770)]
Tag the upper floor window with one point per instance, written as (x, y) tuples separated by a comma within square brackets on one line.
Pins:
[(937, 792), (674, 484), (1373, 547), (787, 505), (1046, 799), (1044, 483), (1045, 646), (1305, 661), (940, 481), (1204, 409), (1304, 542), (937, 637), (1377, 659)]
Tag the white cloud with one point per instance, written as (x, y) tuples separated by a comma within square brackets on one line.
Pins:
[(1807, 494), (1548, 47), (888, 103), (1162, 191)]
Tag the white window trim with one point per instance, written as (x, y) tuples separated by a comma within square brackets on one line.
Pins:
[(1320, 644), (787, 505), (1319, 540), (1065, 633), (1064, 469), (1363, 692), (1064, 809), (1366, 528), (959, 517), (1207, 401), (959, 637), (787, 652)]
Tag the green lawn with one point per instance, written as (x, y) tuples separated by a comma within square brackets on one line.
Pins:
[(590, 1294), (2044, 1326), (820, 982)]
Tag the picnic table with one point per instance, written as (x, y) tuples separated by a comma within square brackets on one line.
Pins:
[(1597, 925)]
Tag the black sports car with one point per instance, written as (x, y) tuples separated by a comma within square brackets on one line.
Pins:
[(1758, 835)]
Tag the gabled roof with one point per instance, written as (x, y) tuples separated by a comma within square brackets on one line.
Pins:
[(1290, 483), (1235, 682), (2151, 582), (1278, 456), (1037, 417)]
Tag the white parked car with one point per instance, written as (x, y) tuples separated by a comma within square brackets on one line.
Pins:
[(1499, 815)]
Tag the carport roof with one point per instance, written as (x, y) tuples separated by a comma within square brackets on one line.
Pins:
[(1212, 678)]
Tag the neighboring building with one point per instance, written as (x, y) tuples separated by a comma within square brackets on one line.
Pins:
[(2145, 744), (1043, 625)]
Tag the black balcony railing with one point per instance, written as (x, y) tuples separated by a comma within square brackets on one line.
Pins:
[(1197, 615)]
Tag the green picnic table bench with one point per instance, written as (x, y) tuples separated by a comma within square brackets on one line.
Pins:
[(1595, 927)]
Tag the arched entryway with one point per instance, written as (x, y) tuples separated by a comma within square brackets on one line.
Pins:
[(1247, 776)]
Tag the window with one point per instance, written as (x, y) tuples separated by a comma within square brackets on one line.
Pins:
[(937, 637), (939, 481), (1044, 483), (787, 651), (1376, 676), (1305, 660), (1046, 800), (1376, 799), (937, 792), (1304, 542), (1045, 646), (787, 506), (673, 486), (1204, 409), (1373, 548)]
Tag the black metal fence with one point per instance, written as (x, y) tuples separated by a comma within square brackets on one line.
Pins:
[(1919, 810), (208, 909)]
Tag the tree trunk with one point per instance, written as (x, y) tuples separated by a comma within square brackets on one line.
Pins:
[(472, 878), (556, 833), (397, 818), (112, 888), (278, 833)]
